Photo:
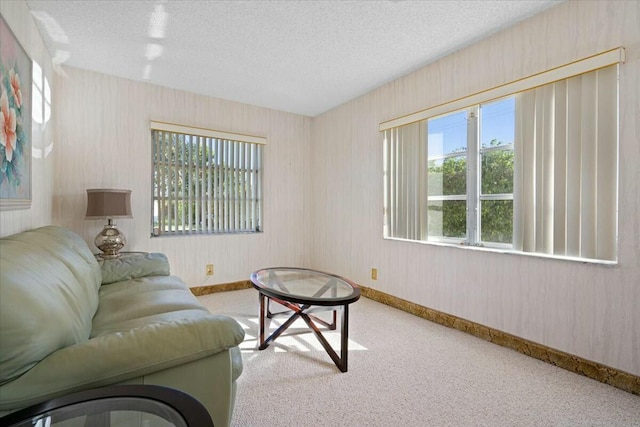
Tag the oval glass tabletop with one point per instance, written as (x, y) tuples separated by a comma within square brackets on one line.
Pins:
[(305, 286)]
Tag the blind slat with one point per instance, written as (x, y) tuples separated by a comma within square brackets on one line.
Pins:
[(588, 168), (607, 154), (560, 169)]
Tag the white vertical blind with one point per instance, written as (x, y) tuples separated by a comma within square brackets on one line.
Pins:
[(205, 184), (403, 155), (566, 167)]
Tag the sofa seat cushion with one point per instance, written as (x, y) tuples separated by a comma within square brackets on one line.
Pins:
[(133, 303)]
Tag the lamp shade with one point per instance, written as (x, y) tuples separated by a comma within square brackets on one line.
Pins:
[(108, 203)]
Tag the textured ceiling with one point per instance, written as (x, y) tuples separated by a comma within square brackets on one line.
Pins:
[(304, 57)]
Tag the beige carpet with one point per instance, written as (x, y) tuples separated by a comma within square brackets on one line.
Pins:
[(406, 371)]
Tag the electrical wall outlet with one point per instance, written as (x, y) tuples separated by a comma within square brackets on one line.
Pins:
[(209, 269), (374, 273)]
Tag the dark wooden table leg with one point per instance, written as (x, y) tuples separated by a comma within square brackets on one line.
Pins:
[(262, 298), (344, 334)]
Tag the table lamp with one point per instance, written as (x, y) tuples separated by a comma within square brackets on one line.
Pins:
[(109, 204)]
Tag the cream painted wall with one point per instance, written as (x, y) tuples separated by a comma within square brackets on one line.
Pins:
[(104, 141), (19, 19), (592, 311)]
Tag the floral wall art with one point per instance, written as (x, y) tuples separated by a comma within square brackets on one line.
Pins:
[(15, 122)]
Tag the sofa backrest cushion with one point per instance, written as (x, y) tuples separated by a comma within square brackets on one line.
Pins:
[(49, 283)]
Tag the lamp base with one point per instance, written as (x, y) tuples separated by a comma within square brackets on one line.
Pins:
[(110, 240)]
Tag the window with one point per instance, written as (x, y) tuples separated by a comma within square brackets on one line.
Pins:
[(497, 132), (205, 181), (470, 169), (447, 151), (41, 96), (532, 171)]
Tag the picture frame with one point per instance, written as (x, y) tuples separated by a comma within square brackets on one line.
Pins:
[(16, 70)]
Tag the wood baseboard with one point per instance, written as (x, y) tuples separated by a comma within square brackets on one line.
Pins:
[(593, 370), (211, 289)]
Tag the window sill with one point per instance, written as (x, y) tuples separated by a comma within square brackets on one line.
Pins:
[(509, 252)]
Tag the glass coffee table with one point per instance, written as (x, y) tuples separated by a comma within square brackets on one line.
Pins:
[(305, 292)]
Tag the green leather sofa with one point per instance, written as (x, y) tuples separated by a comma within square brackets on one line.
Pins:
[(70, 323)]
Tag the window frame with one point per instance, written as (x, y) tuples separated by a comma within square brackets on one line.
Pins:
[(450, 197)]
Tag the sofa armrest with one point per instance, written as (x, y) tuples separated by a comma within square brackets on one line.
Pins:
[(117, 357), (134, 267)]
